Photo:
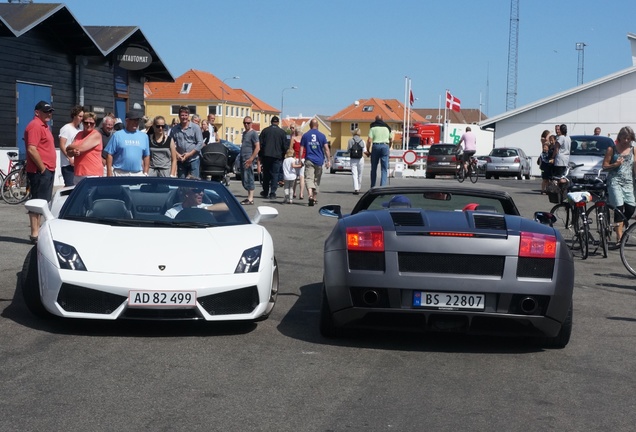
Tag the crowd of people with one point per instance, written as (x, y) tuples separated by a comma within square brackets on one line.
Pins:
[(618, 163)]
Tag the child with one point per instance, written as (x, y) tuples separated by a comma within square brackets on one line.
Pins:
[(546, 167), (291, 167)]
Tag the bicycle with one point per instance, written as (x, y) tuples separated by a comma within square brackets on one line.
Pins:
[(8, 179), (15, 187), (571, 215), (628, 249), (470, 171)]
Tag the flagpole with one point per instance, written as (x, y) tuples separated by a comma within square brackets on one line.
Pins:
[(406, 80), (445, 109), (408, 108)]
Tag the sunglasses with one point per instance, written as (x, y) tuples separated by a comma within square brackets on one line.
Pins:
[(197, 191), (160, 126), (247, 122), (88, 123)]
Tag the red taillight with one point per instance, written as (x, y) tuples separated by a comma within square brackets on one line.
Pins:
[(430, 159), (366, 238), (517, 160), (488, 160), (533, 245), (449, 234)]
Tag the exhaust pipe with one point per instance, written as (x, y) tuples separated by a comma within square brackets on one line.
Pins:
[(529, 305), (371, 297)]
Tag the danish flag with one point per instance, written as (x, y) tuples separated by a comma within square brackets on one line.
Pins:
[(452, 102), (411, 98)]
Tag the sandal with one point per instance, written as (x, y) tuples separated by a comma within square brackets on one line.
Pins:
[(311, 202), (247, 202)]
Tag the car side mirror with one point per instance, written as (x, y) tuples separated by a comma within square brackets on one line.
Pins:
[(331, 210), (545, 218)]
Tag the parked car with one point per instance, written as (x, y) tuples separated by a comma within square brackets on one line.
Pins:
[(508, 162), (588, 150), (446, 259), (441, 160), (96, 254), (481, 165), (340, 161)]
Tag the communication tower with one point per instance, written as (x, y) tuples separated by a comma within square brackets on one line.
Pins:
[(513, 46)]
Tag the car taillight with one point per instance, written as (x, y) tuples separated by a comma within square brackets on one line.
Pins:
[(517, 160), (534, 245), (430, 159), (365, 238), (488, 160), (453, 158)]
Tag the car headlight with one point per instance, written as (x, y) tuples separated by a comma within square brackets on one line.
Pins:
[(250, 260), (67, 257)]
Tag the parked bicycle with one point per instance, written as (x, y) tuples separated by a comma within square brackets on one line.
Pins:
[(15, 187), (470, 170), (598, 215), (571, 215), (628, 249)]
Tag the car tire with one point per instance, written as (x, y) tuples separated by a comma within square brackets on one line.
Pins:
[(488, 176), (273, 295), (496, 177), (561, 340), (326, 324), (430, 176), (520, 175), (31, 285)]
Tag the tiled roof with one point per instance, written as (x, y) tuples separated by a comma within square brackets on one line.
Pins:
[(466, 116), (256, 103), (203, 87), (365, 110)]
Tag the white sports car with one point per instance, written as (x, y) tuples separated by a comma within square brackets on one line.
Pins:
[(150, 248)]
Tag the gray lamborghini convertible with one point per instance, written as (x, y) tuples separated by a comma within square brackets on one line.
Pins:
[(446, 259)]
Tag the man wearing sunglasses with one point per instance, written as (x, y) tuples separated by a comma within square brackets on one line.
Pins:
[(193, 198), (128, 150)]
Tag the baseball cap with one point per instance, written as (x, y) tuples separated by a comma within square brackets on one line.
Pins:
[(398, 201), (44, 107), (275, 119), (133, 115)]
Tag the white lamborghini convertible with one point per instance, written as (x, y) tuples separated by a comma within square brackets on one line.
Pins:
[(150, 248)]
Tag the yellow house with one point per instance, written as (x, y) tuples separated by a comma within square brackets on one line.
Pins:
[(362, 113), (205, 94), (302, 124)]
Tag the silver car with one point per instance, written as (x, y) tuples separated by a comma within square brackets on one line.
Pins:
[(508, 162), (588, 150), (340, 161)]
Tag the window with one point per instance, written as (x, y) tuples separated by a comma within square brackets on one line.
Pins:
[(215, 109), (353, 126), (367, 108), (185, 88), (428, 117), (121, 80)]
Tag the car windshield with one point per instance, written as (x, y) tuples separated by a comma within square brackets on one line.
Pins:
[(342, 153), (590, 145), (154, 202), (440, 200), (504, 152), (441, 150)]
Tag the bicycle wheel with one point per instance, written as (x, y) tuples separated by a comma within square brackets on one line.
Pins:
[(563, 214), (461, 174), (628, 249), (7, 194), (598, 218), (472, 173), (582, 233), (18, 186)]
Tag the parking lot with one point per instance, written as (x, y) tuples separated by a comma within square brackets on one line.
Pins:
[(281, 375)]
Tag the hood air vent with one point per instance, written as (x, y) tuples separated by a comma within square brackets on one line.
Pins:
[(490, 222), (407, 219)]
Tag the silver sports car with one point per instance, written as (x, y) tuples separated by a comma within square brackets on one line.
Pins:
[(446, 259)]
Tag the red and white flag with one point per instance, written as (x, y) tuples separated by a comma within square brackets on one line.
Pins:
[(411, 97), (452, 102)]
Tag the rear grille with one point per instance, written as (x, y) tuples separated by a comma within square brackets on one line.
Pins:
[(407, 219), (481, 265), (73, 298), (366, 261), (240, 301), (490, 222), (535, 268)]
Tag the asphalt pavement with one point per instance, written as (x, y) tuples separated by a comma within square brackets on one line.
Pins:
[(281, 375)]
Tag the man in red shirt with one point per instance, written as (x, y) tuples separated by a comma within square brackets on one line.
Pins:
[(41, 160)]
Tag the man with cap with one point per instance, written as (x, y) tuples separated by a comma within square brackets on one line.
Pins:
[(274, 145), (41, 160), (188, 139), (128, 150)]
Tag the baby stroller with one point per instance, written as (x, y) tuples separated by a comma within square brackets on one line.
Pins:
[(214, 159)]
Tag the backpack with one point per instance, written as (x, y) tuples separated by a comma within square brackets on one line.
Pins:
[(355, 152)]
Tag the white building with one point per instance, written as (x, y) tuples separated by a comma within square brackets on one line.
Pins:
[(608, 102)]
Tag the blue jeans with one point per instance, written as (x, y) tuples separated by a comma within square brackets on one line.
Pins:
[(189, 168), (68, 173), (379, 153)]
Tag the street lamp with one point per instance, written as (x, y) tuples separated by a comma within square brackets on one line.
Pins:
[(223, 105), (282, 98)]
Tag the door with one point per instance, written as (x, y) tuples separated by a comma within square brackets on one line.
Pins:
[(120, 109), (27, 96)]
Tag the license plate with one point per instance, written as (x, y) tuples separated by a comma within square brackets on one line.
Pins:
[(450, 301), (162, 298), (593, 176), (501, 168), (444, 163)]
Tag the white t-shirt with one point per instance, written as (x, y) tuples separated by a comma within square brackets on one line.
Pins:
[(289, 172), (68, 131)]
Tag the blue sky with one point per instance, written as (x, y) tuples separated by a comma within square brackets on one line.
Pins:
[(338, 51)]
